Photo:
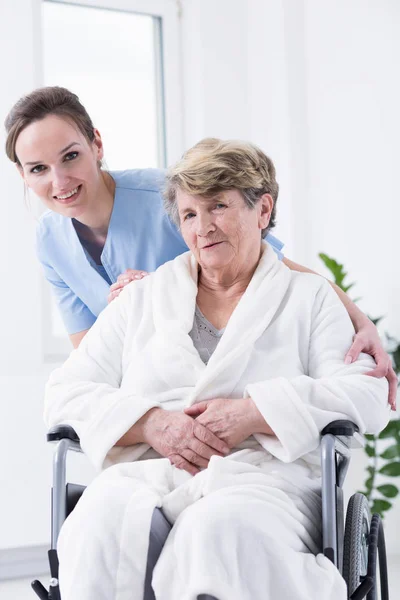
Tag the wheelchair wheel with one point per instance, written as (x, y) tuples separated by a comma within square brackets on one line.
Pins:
[(355, 546)]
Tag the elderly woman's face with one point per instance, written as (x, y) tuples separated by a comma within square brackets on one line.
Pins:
[(222, 230)]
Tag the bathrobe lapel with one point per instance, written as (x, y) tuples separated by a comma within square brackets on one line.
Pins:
[(180, 364), (249, 320), (173, 305)]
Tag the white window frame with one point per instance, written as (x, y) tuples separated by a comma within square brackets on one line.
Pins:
[(170, 108)]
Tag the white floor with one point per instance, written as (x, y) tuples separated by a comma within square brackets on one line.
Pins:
[(20, 589)]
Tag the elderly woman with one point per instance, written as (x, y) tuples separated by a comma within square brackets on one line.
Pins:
[(210, 381)]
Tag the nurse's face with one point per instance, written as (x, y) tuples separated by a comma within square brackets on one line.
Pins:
[(60, 165)]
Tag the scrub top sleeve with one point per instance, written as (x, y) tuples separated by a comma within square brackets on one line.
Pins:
[(276, 244), (75, 314)]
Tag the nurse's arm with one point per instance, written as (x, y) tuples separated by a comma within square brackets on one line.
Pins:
[(366, 339), (76, 338)]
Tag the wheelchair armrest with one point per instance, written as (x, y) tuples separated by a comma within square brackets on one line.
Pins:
[(62, 432), (345, 433), (341, 427)]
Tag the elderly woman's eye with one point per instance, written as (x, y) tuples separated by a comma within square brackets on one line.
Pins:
[(189, 216), (220, 205), (37, 169)]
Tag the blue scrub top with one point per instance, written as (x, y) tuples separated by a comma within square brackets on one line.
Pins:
[(140, 236)]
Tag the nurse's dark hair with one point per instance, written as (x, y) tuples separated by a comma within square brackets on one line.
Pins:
[(39, 104)]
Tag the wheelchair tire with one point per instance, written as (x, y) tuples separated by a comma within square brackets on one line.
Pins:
[(355, 545)]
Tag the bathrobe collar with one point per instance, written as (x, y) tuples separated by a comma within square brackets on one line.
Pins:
[(174, 302)]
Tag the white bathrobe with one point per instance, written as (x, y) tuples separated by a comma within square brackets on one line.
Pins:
[(247, 527)]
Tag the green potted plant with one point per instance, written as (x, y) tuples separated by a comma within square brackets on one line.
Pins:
[(383, 451)]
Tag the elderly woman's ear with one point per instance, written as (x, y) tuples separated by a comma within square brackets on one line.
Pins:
[(265, 206)]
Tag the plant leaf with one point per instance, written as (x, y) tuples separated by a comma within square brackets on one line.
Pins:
[(377, 320), (391, 452), (391, 429), (370, 437), (380, 506), (368, 485), (370, 450), (336, 269), (388, 490), (392, 469), (396, 359)]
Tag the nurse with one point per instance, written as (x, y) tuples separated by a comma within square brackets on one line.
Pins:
[(104, 229)]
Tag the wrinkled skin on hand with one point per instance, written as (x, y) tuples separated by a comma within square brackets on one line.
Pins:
[(233, 421), (187, 443)]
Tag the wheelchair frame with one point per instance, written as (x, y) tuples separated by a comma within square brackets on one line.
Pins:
[(338, 438)]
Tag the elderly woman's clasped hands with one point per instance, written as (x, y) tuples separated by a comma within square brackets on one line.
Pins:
[(208, 428)]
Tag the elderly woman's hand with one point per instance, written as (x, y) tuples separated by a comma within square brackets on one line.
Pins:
[(123, 280), (367, 340), (233, 421), (186, 442)]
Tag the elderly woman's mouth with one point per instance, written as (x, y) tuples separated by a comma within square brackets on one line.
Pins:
[(211, 246)]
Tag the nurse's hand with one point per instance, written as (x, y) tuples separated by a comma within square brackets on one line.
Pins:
[(186, 442), (367, 340), (123, 280), (232, 421)]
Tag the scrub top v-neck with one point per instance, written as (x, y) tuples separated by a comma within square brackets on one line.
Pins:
[(140, 236)]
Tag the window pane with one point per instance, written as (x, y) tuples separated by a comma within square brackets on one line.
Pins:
[(110, 59)]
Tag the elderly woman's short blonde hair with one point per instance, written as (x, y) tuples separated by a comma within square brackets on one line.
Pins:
[(214, 165)]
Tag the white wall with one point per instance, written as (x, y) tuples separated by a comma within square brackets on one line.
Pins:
[(352, 55), (315, 84), (22, 372)]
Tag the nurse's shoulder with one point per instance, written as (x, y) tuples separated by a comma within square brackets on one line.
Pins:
[(140, 180), (50, 228)]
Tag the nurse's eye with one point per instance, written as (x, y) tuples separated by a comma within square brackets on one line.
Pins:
[(71, 156), (38, 169), (220, 205)]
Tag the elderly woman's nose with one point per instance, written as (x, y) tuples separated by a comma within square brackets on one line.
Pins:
[(205, 224)]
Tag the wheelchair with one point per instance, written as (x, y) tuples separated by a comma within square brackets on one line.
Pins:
[(354, 544)]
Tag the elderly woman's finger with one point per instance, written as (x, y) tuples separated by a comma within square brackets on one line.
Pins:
[(204, 435), (355, 350), (202, 449), (196, 409), (193, 458), (181, 463)]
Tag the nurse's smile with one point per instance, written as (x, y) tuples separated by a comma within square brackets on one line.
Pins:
[(69, 197), (62, 167)]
